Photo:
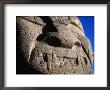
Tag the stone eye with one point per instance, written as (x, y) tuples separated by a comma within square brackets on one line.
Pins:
[(53, 41)]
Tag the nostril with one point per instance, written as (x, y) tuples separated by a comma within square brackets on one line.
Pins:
[(53, 41)]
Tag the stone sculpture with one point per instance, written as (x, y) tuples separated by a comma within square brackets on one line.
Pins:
[(54, 44)]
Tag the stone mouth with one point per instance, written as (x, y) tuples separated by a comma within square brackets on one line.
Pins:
[(49, 59)]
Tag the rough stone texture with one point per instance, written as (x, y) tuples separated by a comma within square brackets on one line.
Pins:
[(55, 44), (29, 28)]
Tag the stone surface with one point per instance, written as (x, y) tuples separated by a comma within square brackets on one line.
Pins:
[(55, 44)]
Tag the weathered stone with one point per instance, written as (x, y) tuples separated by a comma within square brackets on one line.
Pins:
[(28, 33), (57, 47)]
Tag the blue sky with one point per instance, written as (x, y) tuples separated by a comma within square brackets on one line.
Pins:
[(88, 26)]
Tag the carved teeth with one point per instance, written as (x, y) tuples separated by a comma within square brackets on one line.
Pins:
[(61, 61), (41, 55), (55, 58), (49, 66), (54, 55), (57, 62)]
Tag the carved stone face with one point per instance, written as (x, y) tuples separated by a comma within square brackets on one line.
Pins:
[(55, 44)]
